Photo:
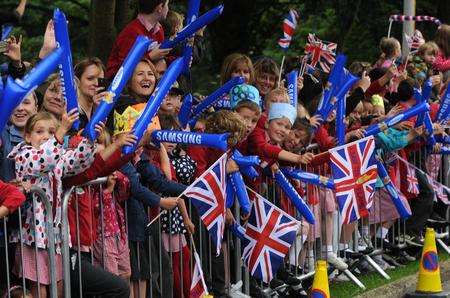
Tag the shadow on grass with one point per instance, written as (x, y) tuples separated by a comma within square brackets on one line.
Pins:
[(374, 280)]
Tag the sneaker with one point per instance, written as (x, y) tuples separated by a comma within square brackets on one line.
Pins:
[(349, 254), (337, 262), (341, 278), (383, 265), (407, 256), (391, 260), (415, 241)]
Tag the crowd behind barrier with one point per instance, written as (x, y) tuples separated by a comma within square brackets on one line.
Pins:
[(240, 282), (120, 181)]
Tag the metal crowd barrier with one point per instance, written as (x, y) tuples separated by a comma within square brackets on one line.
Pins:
[(10, 247), (237, 278)]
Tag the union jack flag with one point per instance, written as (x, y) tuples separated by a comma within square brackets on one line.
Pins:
[(411, 179), (415, 41), (269, 234), (321, 52), (198, 285), (441, 193), (355, 173), (289, 25), (208, 194)]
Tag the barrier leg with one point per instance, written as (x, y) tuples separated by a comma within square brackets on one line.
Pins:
[(375, 266), (443, 245), (354, 279)]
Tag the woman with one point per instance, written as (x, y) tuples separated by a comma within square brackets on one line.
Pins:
[(53, 101), (88, 71), (129, 106)]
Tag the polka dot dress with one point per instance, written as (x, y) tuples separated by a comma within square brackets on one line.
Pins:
[(184, 168)]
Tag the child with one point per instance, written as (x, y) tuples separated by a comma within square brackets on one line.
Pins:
[(266, 143), (420, 66), (172, 102), (111, 249), (442, 39), (42, 161), (390, 51), (178, 223), (246, 102), (276, 95)]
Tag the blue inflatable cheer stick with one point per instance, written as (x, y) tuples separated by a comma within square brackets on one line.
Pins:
[(240, 191), (218, 141), (295, 198), (229, 193), (69, 90), (309, 177), (154, 102), (246, 164), (140, 46), (192, 15), (193, 27), (444, 108), (213, 97), (16, 90), (411, 112), (185, 110), (401, 209), (292, 84)]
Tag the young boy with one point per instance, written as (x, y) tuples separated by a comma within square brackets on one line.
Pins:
[(172, 102), (147, 23)]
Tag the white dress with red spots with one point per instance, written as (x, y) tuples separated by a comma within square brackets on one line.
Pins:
[(45, 167)]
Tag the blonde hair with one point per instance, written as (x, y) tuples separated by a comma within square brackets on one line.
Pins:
[(388, 46), (31, 122), (429, 46), (231, 62), (173, 21), (104, 138), (225, 121)]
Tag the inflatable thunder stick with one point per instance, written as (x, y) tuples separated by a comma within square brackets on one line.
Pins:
[(401, 208), (295, 198), (411, 112), (16, 90), (185, 110), (240, 191), (309, 177), (218, 141), (193, 27), (292, 83), (69, 90)]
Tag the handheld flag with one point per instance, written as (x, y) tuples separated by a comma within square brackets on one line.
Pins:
[(269, 234), (198, 285), (355, 173), (289, 25), (208, 194), (321, 53)]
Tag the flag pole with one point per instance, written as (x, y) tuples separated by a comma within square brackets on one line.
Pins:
[(195, 255), (281, 70)]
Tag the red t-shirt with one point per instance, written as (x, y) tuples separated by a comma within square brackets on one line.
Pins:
[(125, 41)]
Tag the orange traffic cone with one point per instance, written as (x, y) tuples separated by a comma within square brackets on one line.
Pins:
[(429, 283), (320, 287)]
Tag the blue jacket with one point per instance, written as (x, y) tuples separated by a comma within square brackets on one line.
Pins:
[(144, 177), (9, 139)]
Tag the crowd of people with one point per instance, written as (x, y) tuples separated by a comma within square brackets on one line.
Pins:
[(40, 148)]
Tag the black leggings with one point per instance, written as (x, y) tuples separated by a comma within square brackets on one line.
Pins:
[(94, 280)]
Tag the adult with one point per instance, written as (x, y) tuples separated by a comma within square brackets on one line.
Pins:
[(52, 99), (147, 22), (13, 17), (88, 71), (266, 75)]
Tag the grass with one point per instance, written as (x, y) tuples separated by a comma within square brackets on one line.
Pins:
[(374, 280)]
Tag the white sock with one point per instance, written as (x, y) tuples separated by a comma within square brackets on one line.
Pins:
[(365, 230), (295, 249), (343, 246), (382, 233), (311, 253)]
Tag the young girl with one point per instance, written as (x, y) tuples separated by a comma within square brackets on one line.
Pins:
[(176, 224), (42, 161), (390, 50), (111, 249), (420, 66)]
